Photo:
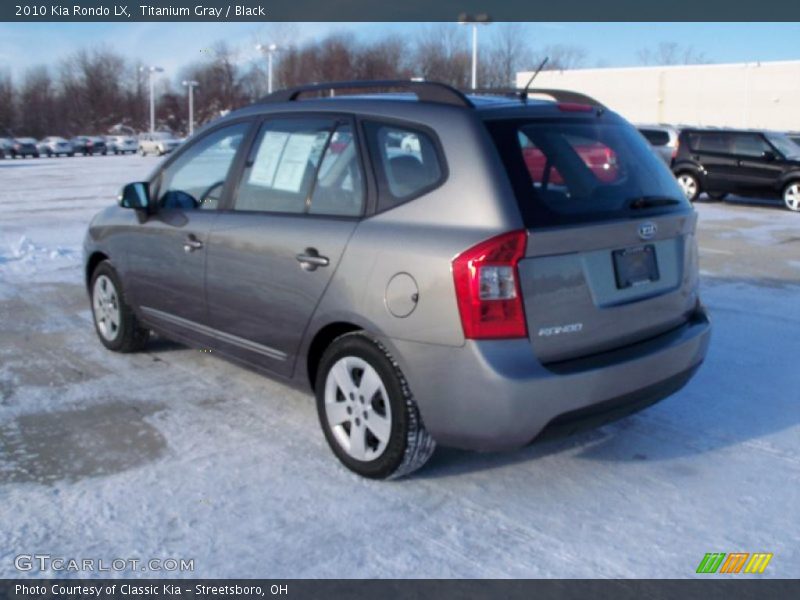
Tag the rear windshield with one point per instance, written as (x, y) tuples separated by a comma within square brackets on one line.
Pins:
[(568, 171)]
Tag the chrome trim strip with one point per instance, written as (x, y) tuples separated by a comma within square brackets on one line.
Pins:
[(215, 333)]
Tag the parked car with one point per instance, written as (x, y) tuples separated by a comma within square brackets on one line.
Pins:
[(159, 143), (445, 294), (597, 156), (747, 162), (121, 144), (89, 145), (22, 147), (5, 147), (55, 146), (663, 139)]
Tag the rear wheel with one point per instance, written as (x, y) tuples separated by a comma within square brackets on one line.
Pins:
[(717, 195), (690, 185), (367, 412), (791, 196), (115, 323)]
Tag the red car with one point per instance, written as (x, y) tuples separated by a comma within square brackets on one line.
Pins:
[(598, 157)]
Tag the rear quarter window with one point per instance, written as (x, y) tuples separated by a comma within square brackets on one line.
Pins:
[(407, 161), (655, 136)]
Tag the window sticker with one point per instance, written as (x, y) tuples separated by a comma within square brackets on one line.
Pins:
[(294, 162), (268, 158)]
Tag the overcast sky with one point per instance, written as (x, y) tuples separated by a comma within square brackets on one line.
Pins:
[(172, 45)]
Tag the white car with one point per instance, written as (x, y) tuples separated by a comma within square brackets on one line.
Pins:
[(55, 146), (121, 144), (159, 143)]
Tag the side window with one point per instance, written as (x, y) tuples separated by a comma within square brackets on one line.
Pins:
[(713, 142), (339, 189), (749, 144), (197, 177), (406, 160), (655, 136), (283, 165)]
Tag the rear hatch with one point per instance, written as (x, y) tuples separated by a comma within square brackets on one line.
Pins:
[(611, 257)]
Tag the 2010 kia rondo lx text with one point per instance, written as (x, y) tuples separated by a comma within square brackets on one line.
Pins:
[(473, 271)]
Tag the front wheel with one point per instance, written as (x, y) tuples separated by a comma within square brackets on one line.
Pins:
[(367, 412), (690, 186), (116, 324), (791, 196)]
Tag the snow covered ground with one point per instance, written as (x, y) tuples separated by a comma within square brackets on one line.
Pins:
[(176, 454)]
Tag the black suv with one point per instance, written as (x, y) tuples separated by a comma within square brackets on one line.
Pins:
[(751, 163)]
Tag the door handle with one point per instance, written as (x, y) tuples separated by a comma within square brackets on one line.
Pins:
[(191, 244), (310, 259)]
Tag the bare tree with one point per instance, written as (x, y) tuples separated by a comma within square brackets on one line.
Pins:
[(671, 53), (8, 113), (508, 53), (560, 57), (93, 98), (37, 99), (442, 54), (383, 59)]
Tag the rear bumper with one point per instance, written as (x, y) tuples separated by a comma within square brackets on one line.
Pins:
[(494, 395)]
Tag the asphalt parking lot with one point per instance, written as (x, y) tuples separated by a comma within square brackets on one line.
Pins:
[(173, 453)]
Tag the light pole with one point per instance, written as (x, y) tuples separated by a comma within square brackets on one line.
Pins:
[(152, 70), (474, 20), (191, 84), (270, 49)]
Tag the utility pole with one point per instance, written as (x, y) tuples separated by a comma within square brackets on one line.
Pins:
[(474, 20), (191, 84), (269, 49), (151, 71)]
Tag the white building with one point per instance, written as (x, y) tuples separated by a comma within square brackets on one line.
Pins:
[(758, 95)]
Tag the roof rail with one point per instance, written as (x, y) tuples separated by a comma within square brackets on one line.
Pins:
[(426, 91), (557, 95)]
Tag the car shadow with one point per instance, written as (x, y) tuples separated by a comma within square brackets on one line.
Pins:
[(745, 394), (749, 202), (9, 164)]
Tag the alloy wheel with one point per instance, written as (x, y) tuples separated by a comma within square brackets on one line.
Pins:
[(357, 408), (791, 196), (688, 185), (106, 308)]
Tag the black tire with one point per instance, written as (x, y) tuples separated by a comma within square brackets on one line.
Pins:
[(717, 195), (410, 445), (131, 336)]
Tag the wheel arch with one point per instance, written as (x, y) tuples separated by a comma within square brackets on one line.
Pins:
[(787, 179), (320, 342), (91, 264)]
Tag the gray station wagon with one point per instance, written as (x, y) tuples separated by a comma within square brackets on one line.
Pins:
[(473, 271)]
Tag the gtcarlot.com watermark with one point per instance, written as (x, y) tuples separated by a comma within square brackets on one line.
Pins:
[(60, 564)]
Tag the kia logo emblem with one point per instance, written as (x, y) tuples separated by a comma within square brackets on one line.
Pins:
[(647, 230)]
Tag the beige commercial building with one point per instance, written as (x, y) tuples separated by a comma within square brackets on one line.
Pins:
[(758, 95)]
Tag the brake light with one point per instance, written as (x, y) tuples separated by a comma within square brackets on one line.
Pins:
[(675, 149), (574, 107), (487, 288)]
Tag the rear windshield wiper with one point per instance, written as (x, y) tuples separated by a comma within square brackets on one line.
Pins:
[(651, 202)]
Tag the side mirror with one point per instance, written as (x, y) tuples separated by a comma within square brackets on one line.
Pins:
[(135, 196), (769, 156)]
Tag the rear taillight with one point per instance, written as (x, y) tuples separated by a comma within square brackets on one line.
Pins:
[(675, 149), (487, 288)]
